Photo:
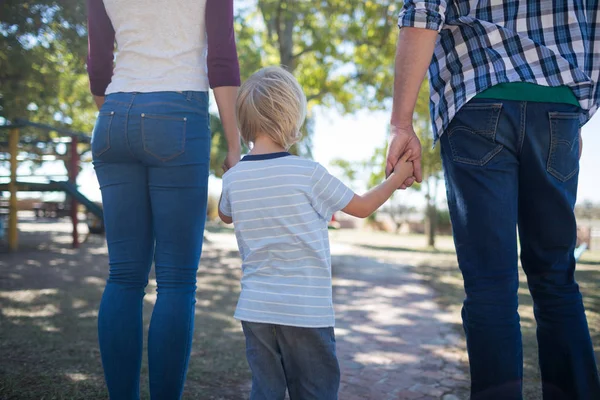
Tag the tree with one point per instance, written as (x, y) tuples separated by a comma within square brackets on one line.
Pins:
[(341, 51), (41, 44)]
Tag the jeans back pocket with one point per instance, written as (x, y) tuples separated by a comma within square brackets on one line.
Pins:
[(563, 159), (163, 135), (101, 133), (472, 133)]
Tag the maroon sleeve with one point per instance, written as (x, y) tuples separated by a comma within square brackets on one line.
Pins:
[(223, 65), (101, 45)]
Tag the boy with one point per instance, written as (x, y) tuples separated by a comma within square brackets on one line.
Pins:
[(280, 205)]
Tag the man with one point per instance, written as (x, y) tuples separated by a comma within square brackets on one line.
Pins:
[(511, 83)]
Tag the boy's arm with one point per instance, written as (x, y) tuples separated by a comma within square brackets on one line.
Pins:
[(225, 218), (368, 203)]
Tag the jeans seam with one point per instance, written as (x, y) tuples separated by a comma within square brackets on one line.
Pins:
[(110, 114), (551, 156), (522, 127), (127, 127), (187, 351)]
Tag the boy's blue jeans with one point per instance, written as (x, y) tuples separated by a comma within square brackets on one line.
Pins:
[(302, 359), (151, 154), (510, 164)]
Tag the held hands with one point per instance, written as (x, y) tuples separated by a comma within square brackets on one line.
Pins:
[(403, 170), (403, 140)]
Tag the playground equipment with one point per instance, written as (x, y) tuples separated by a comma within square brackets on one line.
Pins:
[(70, 138)]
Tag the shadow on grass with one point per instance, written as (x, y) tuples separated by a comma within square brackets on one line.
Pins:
[(588, 262), (49, 297), (405, 249)]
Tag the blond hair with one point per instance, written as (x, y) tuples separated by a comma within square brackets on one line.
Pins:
[(271, 102)]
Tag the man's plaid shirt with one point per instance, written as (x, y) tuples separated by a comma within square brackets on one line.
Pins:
[(486, 42)]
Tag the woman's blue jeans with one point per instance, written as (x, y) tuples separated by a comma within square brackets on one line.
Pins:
[(151, 154)]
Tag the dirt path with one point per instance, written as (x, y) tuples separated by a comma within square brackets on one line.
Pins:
[(394, 342)]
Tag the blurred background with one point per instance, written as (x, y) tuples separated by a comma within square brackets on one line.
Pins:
[(342, 52)]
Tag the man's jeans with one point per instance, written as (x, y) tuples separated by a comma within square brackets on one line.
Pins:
[(509, 164), (303, 359), (151, 155)]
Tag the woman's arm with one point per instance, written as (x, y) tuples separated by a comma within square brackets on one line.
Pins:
[(101, 45), (224, 71), (226, 96)]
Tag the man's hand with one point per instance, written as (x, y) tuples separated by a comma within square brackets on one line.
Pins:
[(403, 139), (232, 158)]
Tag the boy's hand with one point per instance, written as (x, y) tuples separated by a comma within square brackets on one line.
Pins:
[(404, 169)]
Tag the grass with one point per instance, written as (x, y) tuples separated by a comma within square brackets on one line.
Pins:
[(440, 271), (49, 296)]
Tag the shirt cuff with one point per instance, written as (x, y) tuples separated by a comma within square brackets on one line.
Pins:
[(98, 86), (226, 213), (421, 16)]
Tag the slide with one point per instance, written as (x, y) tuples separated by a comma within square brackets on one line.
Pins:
[(71, 190)]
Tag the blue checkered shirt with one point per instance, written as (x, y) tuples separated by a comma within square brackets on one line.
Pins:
[(487, 42)]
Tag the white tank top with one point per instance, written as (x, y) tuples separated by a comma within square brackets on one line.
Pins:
[(161, 45)]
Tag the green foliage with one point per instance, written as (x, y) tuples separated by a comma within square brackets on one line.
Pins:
[(348, 169), (42, 47), (340, 51)]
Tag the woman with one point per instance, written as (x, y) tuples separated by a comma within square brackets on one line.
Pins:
[(151, 147)]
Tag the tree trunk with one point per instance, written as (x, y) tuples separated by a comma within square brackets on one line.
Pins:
[(431, 210), (431, 224)]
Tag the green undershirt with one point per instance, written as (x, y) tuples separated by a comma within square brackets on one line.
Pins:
[(524, 91)]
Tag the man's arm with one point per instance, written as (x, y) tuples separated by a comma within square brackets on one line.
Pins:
[(420, 22), (413, 56)]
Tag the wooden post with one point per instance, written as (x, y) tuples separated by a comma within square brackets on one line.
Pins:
[(13, 149), (73, 172)]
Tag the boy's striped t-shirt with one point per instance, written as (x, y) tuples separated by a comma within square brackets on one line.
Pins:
[(280, 205)]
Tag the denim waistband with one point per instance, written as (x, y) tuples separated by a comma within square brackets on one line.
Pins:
[(128, 97)]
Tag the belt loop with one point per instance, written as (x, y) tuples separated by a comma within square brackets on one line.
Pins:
[(189, 95)]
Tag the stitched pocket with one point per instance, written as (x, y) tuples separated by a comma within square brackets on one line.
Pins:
[(163, 135), (472, 134), (563, 158), (101, 133)]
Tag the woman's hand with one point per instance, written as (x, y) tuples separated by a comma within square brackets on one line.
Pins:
[(232, 158)]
